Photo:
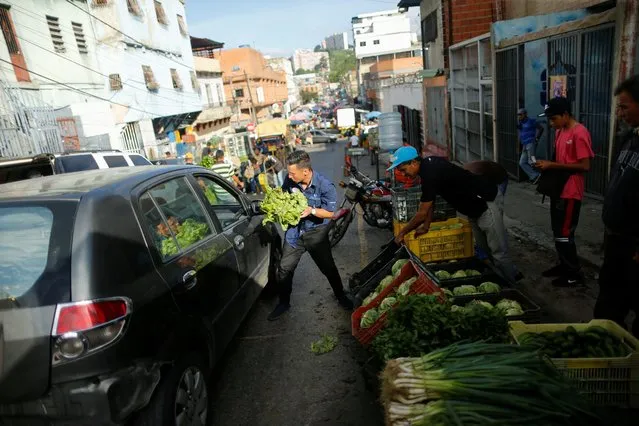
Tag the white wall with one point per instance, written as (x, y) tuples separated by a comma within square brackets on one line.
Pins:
[(409, 95), (70, 67), (215, 93), (391, 28)]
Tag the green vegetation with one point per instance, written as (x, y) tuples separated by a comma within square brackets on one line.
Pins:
[(341, 63)]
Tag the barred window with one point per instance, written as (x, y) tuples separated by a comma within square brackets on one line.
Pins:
[(175, 77), (115, 82), (160, 14), (182, 25), (79, 37), (56, 34)]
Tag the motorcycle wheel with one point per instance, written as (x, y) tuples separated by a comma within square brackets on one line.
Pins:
[(338, 229)]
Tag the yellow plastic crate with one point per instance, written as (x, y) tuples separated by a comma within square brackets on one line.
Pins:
[(440, 245), (605, 381), (397, 226)]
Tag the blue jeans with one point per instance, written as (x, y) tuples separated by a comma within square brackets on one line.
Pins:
[(525, 160)]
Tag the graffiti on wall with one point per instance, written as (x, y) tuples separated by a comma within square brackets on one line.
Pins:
[(504, 30)]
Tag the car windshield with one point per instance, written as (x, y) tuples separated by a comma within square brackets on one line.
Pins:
[(34, 253), (77, 163)]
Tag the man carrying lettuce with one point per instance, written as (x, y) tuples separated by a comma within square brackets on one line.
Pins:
[(310, 234), (472, 195)]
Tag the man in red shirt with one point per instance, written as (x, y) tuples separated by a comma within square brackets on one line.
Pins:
[(573, 151)]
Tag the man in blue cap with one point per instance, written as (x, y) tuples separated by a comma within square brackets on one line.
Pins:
[(472, 195)]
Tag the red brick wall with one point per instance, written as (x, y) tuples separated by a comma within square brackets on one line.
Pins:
[(470, 18)]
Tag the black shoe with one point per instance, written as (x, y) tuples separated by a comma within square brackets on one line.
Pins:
[(555, 271), (519, 276), (345, 302), (570, 280), (279, 310)]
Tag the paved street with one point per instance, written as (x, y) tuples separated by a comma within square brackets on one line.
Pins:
[(269, 376)]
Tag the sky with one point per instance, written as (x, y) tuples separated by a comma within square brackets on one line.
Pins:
[(277, 27)]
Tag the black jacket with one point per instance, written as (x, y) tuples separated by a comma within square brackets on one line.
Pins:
[(621, 203)]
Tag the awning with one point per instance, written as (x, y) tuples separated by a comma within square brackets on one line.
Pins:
[(276, 126)]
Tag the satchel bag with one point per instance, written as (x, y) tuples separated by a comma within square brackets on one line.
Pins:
[(552, 182)]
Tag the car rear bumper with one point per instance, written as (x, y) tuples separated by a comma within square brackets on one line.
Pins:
[(102, 400)]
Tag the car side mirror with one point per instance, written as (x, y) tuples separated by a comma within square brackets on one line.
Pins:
[(256, 207)]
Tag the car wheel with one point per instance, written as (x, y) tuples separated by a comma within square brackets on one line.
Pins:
[(183, 397)]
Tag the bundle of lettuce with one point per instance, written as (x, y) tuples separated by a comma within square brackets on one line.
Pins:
[(283, 207)]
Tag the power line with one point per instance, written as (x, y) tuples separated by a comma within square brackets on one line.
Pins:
[(75, 89), (124, 34), (72, 34), (93, 70)]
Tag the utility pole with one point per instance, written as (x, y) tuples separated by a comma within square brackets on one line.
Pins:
[(248, 85)]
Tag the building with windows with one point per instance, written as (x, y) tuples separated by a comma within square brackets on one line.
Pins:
[(285, 65), (337, 41), (305, 59), (251, 86), (215, 118), (382, 36), (119, 74)]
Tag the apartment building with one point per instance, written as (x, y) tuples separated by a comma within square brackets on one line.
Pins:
[(251, 86), (337, 41), (118, 74), (285, 65), (305, 59)]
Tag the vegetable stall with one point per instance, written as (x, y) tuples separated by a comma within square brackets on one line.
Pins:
[(454, 343)]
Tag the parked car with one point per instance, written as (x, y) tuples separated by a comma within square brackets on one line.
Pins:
[(170, 162), (120, 289), (320, 136), (16, 169)]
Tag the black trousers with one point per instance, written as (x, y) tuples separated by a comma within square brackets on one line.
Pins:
[(564, 217), (619, 281), (316, 243)]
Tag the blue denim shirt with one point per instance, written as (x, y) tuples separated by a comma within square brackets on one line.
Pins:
[(320, 194), (527, 131)]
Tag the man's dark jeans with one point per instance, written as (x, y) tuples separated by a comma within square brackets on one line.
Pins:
[(564, 218), (316, 243), (619, 281)]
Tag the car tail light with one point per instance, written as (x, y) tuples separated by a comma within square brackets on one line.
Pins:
[(83, 327)]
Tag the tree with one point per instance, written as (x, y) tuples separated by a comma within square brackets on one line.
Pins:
[(318, 48), (342, 62), (301, 71), (323, 64)]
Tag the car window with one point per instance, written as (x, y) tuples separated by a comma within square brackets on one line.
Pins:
[(183, 221), (226, 204), (115, 161), (78, 163), (35, 241), (138, 160)]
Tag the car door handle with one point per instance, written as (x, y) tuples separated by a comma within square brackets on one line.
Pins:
[(189, 279), (239, 242)]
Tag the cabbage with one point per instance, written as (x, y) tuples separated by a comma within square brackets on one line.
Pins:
[(489, 287), (385, 282), (506, 304), (369, 318), (464, 290), (397, 266), (456, 308), (514, 312), (448, 293), (442, 275), (387, 304), (472, 273), (370, 298), (479, 303), (404, 288), (459, 274)]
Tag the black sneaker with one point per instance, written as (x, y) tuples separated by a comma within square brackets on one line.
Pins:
[(571, 280), (555, 271), (279, 310), (346, 302)]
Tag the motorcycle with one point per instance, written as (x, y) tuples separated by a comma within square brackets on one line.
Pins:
[(373, 197)]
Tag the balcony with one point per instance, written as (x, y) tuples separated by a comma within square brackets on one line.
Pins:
[(207, 65)]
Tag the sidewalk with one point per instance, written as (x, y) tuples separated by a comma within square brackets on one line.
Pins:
[(528, 219)]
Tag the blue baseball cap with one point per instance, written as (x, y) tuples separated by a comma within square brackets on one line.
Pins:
[(403, 155)]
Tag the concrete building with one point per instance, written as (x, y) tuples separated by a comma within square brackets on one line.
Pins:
[(382, 36), (388, 74), (251, 86), (306, 59), (285, 65), (118, 74), (215, 118), (337, 41)]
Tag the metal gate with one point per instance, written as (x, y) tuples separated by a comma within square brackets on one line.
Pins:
[(132, 138), (507, 87), (27, 125)]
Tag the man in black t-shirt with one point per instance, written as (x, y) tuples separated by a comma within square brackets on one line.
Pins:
[(472, 195)]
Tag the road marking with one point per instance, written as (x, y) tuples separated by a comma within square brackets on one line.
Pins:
[(363, 244)]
